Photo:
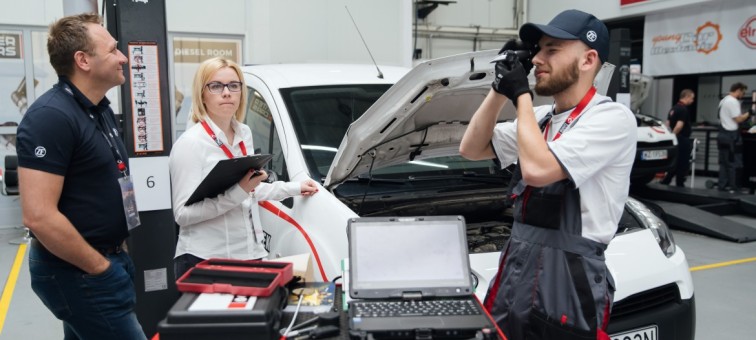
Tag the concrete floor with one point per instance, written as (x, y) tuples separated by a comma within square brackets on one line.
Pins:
[(725, 297)]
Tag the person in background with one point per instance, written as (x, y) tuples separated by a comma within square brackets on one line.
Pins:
[(75, 187), (678, 121), (572, 180), (226, 226), (729, 141)]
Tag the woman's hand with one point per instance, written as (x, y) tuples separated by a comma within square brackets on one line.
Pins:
[(309, 188), (252, 179)]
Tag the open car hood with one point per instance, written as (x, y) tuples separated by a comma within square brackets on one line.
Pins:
[(423, 115)]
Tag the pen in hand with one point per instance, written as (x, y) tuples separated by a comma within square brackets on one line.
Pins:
[(252, 179)]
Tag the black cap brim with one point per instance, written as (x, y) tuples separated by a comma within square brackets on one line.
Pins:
[(532, 33)]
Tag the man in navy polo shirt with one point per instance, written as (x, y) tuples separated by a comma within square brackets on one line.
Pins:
[(73, 177)]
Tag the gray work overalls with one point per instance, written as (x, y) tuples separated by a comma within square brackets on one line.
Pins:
[(552, 283)]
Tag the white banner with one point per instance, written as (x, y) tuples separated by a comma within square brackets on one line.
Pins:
[(714, 37)]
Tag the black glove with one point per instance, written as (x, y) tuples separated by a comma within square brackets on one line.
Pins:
[(511, 79), (525, 52)]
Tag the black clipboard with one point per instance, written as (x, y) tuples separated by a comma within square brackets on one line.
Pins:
[(225, 174)]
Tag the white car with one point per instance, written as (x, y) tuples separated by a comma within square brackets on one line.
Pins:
[(656, 150), (400, 158)]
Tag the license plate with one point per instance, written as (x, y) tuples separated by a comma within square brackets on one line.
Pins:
[(647, 333), (650, 155)]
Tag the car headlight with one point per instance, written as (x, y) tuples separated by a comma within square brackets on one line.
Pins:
[(657, 226)]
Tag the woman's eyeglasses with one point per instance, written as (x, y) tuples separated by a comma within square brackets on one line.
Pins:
[(217, 87)]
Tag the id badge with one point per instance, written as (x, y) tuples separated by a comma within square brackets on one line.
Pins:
[(129, 202)]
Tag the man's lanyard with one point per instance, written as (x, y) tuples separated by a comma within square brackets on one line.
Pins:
[(571, 118), (111, 142), (220, 144), (106, 131)]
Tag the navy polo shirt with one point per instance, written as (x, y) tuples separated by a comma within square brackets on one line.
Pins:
[(59, 134)]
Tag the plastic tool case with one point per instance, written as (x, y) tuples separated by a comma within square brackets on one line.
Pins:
[(285, 268), (252, 278), (261, 322), (238, 282)]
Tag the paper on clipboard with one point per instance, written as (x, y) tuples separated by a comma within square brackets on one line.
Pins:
[(225, 174)]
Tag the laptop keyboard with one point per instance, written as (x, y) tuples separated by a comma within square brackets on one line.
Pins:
[(378, 309)]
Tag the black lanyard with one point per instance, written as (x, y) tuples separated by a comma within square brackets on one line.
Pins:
[(105, 130), (112, 142)]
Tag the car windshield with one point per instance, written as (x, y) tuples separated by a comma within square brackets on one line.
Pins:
[(321, 116)]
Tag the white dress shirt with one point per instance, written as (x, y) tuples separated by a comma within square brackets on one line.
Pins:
[(227, 226), (729, 108)]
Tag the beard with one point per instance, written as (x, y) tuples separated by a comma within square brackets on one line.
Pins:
[(559, 81)]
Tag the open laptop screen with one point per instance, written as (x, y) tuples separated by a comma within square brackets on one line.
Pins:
[(390, 256)]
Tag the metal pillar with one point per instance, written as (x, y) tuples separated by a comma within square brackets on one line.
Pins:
[(140, 28)]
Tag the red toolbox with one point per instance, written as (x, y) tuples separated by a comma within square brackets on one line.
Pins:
[(229, 280), (285, 268)]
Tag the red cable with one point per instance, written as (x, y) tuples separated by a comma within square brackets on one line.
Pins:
[(272, 208), (498, 330)]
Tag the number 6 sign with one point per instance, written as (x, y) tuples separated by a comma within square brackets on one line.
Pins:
[(152, 182)]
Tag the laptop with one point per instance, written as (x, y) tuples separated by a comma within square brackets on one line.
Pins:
[(399, 266)]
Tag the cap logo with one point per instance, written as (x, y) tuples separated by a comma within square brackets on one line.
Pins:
[(591, 36), (40, 151)]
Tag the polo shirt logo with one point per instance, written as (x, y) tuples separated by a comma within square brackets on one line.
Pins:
[(40, 151), (591, 36)]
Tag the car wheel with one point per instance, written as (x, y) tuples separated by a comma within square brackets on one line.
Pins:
[(710, 184)]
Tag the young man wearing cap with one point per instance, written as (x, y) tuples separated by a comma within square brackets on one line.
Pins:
[(572, 180)]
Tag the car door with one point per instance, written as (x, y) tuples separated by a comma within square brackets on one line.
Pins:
[(294, 225)]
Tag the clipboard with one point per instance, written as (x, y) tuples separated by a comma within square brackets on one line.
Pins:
[(225, 174)]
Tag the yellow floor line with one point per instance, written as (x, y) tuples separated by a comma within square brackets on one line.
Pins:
[(723, 264), (10, 284)]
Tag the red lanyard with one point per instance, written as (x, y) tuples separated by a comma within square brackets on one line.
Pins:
[(220, 144), (575, 113)]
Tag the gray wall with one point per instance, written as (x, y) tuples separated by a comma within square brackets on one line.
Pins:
[(288, 31), (285, 31), (31, 12), (276, 31)]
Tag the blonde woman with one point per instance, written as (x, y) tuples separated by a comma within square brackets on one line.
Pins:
[(226, 226)]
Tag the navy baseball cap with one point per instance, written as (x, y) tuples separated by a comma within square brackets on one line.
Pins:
[(571, 25)]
